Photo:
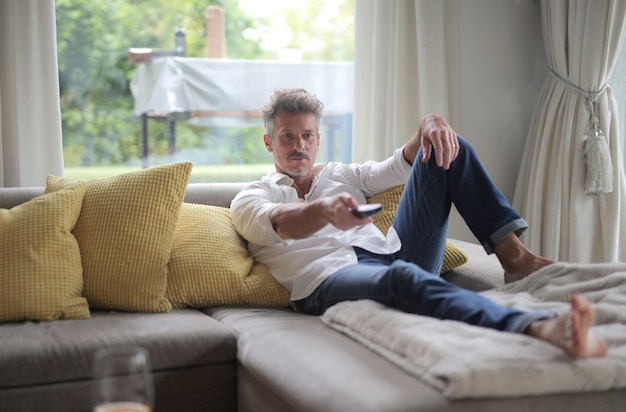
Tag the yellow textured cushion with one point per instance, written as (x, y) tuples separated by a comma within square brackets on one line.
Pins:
[(41, 277), (452, 256), (125, 232), (210, 264)]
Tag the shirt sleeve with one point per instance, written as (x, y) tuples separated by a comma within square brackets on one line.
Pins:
[(250, 212), (373, 177)]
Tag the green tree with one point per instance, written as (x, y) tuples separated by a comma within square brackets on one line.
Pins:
[(96, 104)]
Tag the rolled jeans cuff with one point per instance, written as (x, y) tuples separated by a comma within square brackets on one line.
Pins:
[(526, 319), (517, 226)]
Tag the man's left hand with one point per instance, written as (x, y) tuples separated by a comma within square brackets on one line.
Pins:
[(434, 134)]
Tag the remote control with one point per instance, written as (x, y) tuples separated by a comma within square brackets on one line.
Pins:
[(364, 211)]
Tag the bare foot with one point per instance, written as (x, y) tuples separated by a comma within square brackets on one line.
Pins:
[(527, 264), (517, 260), (571, 331)]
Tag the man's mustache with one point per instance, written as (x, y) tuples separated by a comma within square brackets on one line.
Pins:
[(298, 154)]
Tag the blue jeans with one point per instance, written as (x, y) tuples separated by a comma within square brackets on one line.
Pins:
[(408, 280)]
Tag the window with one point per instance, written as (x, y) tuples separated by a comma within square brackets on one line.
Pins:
[(104, 135)]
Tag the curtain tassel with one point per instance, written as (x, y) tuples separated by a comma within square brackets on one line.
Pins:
[(597, 159), (596, 152)]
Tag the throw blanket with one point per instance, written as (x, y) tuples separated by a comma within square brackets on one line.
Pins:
[(465, 361)]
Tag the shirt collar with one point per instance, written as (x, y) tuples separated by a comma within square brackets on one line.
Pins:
[(284, 180), (279, 178)]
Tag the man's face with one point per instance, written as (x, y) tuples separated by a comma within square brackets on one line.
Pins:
[(294, 144)]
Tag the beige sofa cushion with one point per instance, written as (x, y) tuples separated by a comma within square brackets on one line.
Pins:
[(210, 264), (125, 232), (40, 267)]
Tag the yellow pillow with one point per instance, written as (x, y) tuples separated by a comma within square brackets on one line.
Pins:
[(125, 232), (452, 256), (41, 277), (210, 264)]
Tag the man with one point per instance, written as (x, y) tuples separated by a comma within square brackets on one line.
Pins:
[(299, 222)]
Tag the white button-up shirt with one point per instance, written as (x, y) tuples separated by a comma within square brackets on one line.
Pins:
[(301, 265)]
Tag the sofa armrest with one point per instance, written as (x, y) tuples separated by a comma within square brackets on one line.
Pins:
[(481, 272)]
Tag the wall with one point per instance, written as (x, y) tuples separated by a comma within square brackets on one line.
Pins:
[(497, 68)]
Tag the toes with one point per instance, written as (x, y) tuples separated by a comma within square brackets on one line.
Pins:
[(578, 334), (568, 333), (584, 309), (583, 342)]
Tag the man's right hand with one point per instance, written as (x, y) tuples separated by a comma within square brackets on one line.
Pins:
[(301, 220), (338, 210)]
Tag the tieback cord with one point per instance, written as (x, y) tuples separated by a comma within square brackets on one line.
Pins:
[(596, 153)]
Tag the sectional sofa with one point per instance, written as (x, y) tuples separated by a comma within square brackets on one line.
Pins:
[(241, 349)]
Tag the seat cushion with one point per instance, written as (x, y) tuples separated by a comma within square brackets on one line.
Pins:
[(310, 367), (61, 351), (293, 362), (182, 390)]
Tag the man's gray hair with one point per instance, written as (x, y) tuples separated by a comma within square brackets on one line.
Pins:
[(292, 101)]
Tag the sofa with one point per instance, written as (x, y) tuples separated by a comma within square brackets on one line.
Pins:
[(251, 355)]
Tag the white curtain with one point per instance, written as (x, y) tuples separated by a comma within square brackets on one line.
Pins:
[(400, 55), (30, 113), (582, 40)]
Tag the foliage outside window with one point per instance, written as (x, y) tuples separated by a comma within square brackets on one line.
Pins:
[(100, 135)]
